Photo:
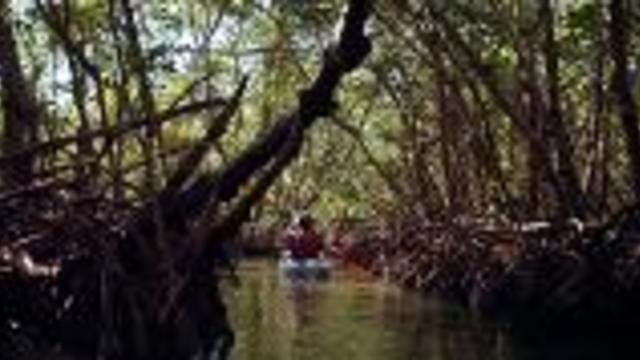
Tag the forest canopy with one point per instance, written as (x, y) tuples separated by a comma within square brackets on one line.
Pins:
[(515, 108)]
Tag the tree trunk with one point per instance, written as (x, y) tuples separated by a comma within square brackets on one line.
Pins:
[(20, 108), (573, 203), (620, 22)]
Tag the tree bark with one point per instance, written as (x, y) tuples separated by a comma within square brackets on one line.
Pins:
[(20, 108), (620, 22), (574, 203)]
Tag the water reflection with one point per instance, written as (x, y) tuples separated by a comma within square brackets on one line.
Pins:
[(352, 319)]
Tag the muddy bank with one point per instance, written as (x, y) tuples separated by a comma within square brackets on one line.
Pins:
[(533, 275)]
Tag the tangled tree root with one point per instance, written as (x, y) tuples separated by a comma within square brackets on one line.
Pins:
[(536, 276)]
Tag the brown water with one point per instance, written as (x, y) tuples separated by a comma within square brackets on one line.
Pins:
[(352, 318)]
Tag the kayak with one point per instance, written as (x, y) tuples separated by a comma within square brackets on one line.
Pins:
[(311, 269)]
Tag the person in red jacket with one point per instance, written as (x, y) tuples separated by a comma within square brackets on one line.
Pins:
[(302, 240)]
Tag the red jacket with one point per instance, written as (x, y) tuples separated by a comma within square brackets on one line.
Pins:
[(303, 244)]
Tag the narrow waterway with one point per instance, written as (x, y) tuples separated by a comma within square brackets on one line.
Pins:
[(352, 317)]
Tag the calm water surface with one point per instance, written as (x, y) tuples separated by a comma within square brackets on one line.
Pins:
[(353, 318)]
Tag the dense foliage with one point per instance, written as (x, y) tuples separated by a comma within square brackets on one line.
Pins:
[(465, 112), (465, 108)]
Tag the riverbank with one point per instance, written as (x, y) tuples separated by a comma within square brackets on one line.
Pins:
[(540, 277)]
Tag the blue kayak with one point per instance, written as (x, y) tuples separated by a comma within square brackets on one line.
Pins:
[(312, 269)]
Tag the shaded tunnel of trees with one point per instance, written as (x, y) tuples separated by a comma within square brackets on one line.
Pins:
[(488, 152), (132, 275)]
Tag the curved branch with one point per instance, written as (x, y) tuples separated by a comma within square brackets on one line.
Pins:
[(118, 130)]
